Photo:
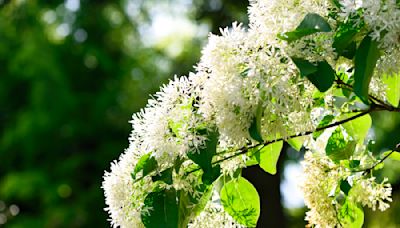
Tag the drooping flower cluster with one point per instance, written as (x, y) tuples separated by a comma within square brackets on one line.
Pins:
[(252, 86), (383, 20), (321, 176), (325, 183), (371, 194)]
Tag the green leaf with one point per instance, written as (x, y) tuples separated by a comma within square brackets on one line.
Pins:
[(254, 156), (392, 89), (351, 215), (350, 164), (320, 74), (359, 127), (209, 176), (338, 147), (324, 77), (241, 201), (305, 67), (269, 156), (297, 34), (245, 72), (394, 155), (367, 55), (326, 120), (297, 143), (203, 157), (312, 23), (350, 51), (354, 164), (178, 163), (379, 166), (165, 176), (146, 164), (161, 209), (344, 40), (191, 204), (255, 127), (345, 186), (337, 3)]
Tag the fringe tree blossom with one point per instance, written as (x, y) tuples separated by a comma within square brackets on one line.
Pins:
[(369, 193), (311, 68), (383, 19), (321, 176)]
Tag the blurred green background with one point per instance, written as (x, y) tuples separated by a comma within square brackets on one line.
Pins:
[(71, 75)]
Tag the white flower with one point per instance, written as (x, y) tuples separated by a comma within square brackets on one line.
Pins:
[(369, 193), (321, 175), (123, 197), (348, 7), (167, 126)]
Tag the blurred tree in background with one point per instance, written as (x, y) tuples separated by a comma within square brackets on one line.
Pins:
[(71, 75)]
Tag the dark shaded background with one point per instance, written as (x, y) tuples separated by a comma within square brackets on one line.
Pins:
[(69, 83)]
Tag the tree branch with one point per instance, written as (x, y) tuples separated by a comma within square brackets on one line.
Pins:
[(374, 107)]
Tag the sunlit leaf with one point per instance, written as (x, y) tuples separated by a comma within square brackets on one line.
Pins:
[(269, 156), (254, 157), (392, 89), (351, 215), (326, 120), (241, 201), (297, 143), (339, 147), (393, 155), (191, 204), (359, 127)]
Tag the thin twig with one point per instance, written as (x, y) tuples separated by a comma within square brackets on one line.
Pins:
[(369, 169)]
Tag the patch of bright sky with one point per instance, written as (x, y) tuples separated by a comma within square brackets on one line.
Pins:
[(292, 195)]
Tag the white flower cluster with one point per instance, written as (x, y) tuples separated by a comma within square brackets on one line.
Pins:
[(321, 184), (123, 197), (238, 76), (320, 177), (168, 125), (168, 128), (369, 193), (383, 19), (242, 73), (271, 17)]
